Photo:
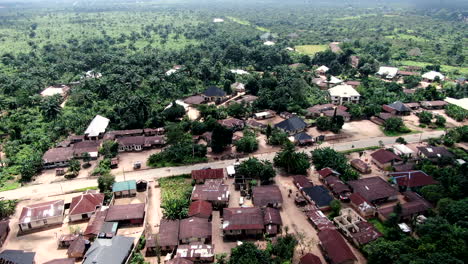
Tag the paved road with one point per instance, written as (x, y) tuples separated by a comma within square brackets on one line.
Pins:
[(42, 190)]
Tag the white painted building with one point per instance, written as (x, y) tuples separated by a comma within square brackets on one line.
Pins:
[(342, 94)]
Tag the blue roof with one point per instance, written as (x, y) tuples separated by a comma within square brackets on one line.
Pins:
[(124, 186), (319, 194)]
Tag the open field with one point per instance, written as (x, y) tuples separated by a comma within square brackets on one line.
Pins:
[(406, 37), (310, 49), (247, 23), (444, 68)]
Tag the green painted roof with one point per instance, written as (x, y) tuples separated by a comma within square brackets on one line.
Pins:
[(124, 186)]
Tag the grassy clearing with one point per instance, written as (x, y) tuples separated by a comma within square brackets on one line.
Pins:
[(85, 189), (310, 49), (444, 68), (346, 152), (397, 134), (406, 37), (247, 23), (177, 187), (10, 185), (379, 225), (354, 17)]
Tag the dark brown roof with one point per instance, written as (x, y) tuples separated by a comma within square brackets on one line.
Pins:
[(412, 178), (373, 188), (208, 174), (404, 167), (325, 172), (194, 227), (385, 116), (255, 123), (151, 241), (330, 180), (200, 208), (131, 140), (41, 211), (169, 233), (416, 205), (61, 261), (302, 181), (435, 152), (95, 223), (4, 227), (367, 233), (86, 203), (58, 155), (272, 216), (357, 199), (126, 132), (154, 140), (319, 220), (211, 190), (359, 164), (335, 246), (407, 73), (353, 83), (267, 194), (383, 156), (125, 212), (433, 103), (86, 146), (339, 112), (412, 105), (340, 187), (77, 247), (310, 258), (179, 261), (243, 218)]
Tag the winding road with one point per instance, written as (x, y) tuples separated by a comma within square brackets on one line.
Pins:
[(57, 188)]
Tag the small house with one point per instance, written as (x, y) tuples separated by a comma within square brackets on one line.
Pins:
[(397, 108), (387, 72), (415, 205), (303, 139), (310, 258), (433, 105), (168, 237), (292, 125), (362, 206), (115, 250), (200, 209), (433, 76), (41, 215), (86, 147), (208, 174), (302, 181), (232, 123), (343, 94), (374, 189), (385, 159), (403, 150), (124, 214), (83, 206), (214, 94), (78, 248), (124, 188), (196, 253), (433, 153), (238, 87), (319, 220), (243, 221), (213, 191), (361, 166), (131, 143), (194, 230), (272, 220), (267, 196), (95, 224), (322, 70), (325, 172), (57, 157), (335, 248), (9, 256), (319, 196), (411, 180), (97, 128), (265, 114)]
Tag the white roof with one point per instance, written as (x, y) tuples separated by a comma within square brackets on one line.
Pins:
[(343, 90), (239, 71), (218, 20), (289, 49), (179, 102), (463, 103), (92, 75), (269, 43), (432, 75), (97, 126), (322, 68), (51, 91), (334, 80), (403, 149), (262, 114), (170, 72), (231, 170), (388, 72)]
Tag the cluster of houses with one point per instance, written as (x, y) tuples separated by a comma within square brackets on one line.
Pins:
[(100, 241), (191, 238), (398, 108), (76, 147)]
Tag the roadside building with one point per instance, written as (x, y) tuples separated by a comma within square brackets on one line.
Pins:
[(310, 258), (267, 196), (433, 105), (362, 206), (168, 237), (196, 253), (95, 224), (415, 205), (90, 147), (213, 191), (200, 176), (331, 113), (243, 221), (9, 256), (41, 215), (84, 206), (124, 188), (201, 209), (126, 214), (374, 189), (343, 94), (194, 230), (123, 133), (4, 230), (303, 139), (292, 125), (337, 187), (335, 248), (403, 150), (325, 172), (361, 166), (272, 220), (319, 196), (434, 153), (355, 228), (97, 128), (319, 220), (115, 250), (131, 143), (411, 180), (265, 114), (232, 123), (154, 141), (57, 157), (385, 159), (387, 72), (214, 94)]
